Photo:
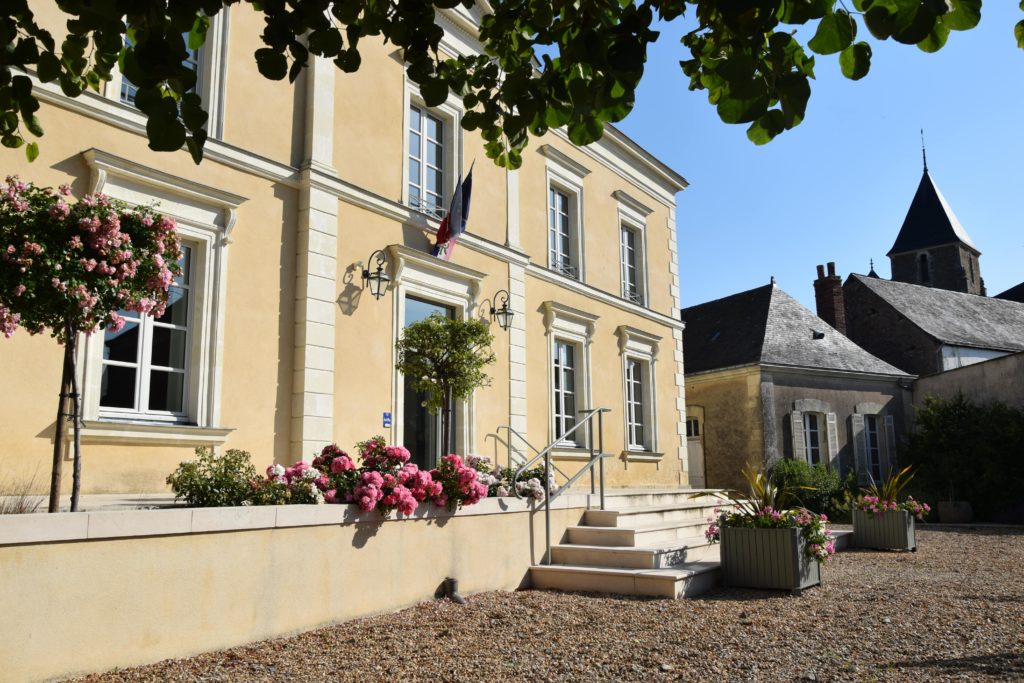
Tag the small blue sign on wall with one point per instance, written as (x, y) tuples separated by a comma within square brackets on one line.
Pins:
[(387, 419)]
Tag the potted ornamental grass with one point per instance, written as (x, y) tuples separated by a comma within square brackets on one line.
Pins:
[(881, 521), (768, 545)]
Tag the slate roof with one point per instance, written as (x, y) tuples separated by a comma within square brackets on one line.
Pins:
[(766, 325), (954, 317), (929, 222), (1013, 293)]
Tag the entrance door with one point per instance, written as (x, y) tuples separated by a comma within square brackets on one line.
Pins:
[(695, 452), (421, 431)]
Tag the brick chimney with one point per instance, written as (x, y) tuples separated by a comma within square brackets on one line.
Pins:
[(828, 296)]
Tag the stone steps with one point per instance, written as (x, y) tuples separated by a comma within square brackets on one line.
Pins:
[(647, 542), (630, 498), (647, 515), (687, 580), (632, 537), (657, 556)]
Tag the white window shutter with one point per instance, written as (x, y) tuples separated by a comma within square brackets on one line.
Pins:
[(799, 450), (833, 439), (890, 442), (859, 452)]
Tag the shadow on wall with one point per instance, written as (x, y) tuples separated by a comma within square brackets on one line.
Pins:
[(352, 292)]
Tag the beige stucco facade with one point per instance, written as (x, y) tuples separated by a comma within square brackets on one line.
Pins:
[(288, 351), (148, 585), (998, 379), (751, 416)]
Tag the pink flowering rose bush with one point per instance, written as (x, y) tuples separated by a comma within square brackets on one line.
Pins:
[(79, 264), (299, 484), (459, 482), (388, 481)]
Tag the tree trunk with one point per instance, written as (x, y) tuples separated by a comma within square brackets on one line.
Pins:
[(58, 436), (446, 422), (76, 415)]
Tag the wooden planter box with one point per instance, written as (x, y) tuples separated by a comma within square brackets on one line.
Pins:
[(767, 558), (891, 530)]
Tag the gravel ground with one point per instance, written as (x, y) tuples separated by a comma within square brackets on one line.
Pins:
[(952, 611)]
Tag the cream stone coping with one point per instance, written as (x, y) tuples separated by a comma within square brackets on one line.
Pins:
[(85, 526)]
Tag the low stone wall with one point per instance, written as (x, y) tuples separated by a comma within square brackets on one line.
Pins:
[(998, 379), (92, 591)]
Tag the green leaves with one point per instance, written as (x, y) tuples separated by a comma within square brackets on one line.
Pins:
[(855, 61), (545, 63), (271, 63), (835, 33)]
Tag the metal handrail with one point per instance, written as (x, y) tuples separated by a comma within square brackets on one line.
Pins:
[(533, 448), (596, 458)]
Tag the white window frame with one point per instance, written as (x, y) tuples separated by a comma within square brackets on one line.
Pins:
[(205, 217), (558, 415), (879, 425), (828, 432), (418, 274), (569, 325), (566, 176), (425, 114), (450, 114), (820, 430), (632, 216), (886, 441), (143, 364), (639, 346), (212, 75), (637, 406)]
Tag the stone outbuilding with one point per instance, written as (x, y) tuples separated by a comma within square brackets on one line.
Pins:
[(767, 379)]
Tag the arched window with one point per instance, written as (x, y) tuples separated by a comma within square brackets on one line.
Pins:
[(924, 275)]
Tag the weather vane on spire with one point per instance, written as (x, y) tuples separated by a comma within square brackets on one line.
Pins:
[(924, 155)]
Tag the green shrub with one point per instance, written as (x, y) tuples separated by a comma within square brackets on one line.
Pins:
[(212, 481), (962, 450), (816, 487)]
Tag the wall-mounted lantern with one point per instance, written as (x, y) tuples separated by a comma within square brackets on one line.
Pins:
[(503, 314), (378, 280)]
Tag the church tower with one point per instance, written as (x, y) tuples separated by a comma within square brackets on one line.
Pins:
[(932, 248)]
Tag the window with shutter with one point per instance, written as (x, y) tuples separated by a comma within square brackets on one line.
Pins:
[(832, 438), (859, 456), (797, 424)]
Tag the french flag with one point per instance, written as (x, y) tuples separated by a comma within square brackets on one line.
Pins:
[(454, 223)]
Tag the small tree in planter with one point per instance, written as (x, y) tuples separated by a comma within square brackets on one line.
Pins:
[(765, 544), (881, 521), (445, 359), (70, 268)]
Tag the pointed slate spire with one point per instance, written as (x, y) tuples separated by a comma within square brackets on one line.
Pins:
[(929, 222), (872, 273)]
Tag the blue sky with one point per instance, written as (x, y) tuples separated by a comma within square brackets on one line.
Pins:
[(837, 187)]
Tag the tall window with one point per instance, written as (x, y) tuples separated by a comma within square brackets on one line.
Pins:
[(426, 161), (145, 363), (924, 274), (421, 430), (192, 61), (630, 265), (565, 389), (636, 436), (873, 447), (812, 438), (559, 233)]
